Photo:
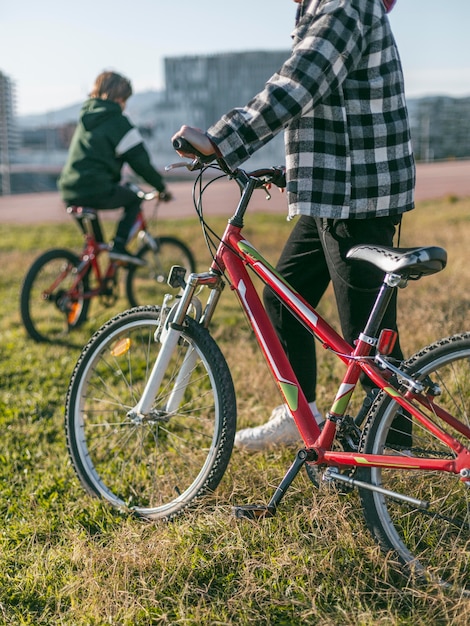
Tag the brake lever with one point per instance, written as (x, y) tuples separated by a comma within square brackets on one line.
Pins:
[(267, 192), (195, 164)]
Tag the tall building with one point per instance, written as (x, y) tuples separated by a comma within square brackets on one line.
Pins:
[(200, 89), (8, 132), (216, 83)]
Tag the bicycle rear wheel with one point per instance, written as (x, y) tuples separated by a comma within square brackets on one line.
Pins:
[(155, 465), (47, 310), (148, 284), (433, 543)]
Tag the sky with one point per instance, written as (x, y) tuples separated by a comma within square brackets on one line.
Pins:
[(53, 50)]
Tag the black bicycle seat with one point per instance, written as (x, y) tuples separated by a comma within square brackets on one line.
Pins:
[(412, 263), (81, 212)]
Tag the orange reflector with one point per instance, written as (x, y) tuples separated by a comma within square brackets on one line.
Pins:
[(73, 313), (121, 347)]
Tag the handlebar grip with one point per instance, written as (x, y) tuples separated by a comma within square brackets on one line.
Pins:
[(181, 144)]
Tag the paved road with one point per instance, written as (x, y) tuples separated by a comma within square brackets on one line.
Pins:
[(434, 180)]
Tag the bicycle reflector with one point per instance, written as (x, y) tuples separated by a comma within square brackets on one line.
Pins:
[(121, 347), (386, 342)]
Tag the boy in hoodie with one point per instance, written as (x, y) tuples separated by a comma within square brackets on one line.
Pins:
[(103, 141), (350, 174)]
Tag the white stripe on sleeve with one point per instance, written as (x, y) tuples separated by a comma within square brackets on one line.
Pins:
[(130, 140)]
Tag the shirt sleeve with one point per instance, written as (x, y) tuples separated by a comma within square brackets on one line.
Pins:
[(327, 46), (138, 159), (131, 139)]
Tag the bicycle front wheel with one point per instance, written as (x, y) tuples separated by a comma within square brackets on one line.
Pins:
[(433, 543), (158, 464), (148, 284), (48, 310)]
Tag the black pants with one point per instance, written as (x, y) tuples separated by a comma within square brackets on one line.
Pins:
[(121, 197), (314, 255)]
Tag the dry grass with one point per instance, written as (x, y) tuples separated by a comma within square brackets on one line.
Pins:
[(68, 559)]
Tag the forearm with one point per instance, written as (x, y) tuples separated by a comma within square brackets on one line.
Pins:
[(140, 163)]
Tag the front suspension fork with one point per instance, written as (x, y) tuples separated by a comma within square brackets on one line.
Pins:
[(169, 337)]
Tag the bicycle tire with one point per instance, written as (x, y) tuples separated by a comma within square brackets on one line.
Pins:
[(433, 544), (157, 466), (148, 284), (51, 318)]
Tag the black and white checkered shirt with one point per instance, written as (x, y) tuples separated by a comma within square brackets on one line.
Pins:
[(340, 98)]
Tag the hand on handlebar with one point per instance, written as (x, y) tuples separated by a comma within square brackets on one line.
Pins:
[(165, 196), (198, 140)]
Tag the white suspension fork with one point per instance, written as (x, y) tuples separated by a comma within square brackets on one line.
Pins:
[(169, 338), (160, 366), (182, 380)]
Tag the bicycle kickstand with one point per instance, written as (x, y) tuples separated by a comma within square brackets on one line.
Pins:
[(257, 511)]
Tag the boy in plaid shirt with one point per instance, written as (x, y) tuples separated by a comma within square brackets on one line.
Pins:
[(350, 172)]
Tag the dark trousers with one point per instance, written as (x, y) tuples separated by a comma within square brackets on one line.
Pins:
[(121, 197), (314, 255)]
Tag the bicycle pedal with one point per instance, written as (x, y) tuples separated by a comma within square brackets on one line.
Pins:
[(253, 511)]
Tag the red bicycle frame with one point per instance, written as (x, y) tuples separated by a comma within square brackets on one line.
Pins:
[(89, 255), (234, 255)]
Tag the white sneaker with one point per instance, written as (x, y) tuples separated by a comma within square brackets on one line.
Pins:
[(279, 430)]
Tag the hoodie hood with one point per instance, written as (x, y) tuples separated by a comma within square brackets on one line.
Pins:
[(96, 111)]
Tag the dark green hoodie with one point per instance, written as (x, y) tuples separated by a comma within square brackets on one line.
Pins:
[(103, 141)]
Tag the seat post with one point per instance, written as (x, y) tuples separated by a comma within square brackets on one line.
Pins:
[(96, 227), (389, 286), (87, 225), (88, 221)]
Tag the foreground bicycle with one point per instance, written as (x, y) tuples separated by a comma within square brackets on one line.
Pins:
[(151, 408), (58, 288)]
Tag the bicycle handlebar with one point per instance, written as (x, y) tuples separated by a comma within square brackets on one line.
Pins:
[(183, 145), (145, 195), (275, 175), (266, 176)]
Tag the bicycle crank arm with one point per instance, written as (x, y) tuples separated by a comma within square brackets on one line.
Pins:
[(352, 482)]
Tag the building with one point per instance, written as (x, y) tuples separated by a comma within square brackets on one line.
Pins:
[(8, 132), (208, 86), (440, 127), (200, 89)]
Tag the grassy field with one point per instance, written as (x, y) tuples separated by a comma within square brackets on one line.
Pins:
[(68, 559)]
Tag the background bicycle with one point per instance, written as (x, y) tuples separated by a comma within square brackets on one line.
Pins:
[(155, 443), (58, 288)]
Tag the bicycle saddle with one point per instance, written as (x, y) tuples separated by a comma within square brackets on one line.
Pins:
[(82, 212), (410, 263)]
